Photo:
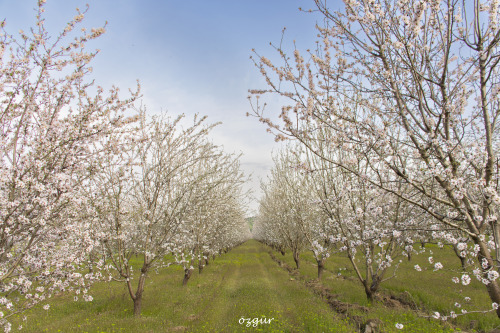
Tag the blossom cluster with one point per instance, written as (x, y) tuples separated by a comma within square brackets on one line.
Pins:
[(407, 114)]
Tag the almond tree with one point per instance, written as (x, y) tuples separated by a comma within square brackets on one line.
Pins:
[(231, 228), (220, 182), (370, 225), (318, 229), (141, 206), (161, 195), (51, 114), (346, 212), (227, 227), (413, 81), (285, 208)]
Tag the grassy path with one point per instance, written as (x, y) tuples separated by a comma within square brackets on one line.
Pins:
[(255, 287), (242, 284), (246, 284)]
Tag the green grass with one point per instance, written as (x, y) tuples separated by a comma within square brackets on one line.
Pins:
[(430, 291), (242, 283), (247, 283)]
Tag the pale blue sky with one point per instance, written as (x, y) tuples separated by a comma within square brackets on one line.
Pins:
[(189, 55)]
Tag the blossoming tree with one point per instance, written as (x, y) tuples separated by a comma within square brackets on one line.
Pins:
[(51, 115), (415, 84), (156, 198)]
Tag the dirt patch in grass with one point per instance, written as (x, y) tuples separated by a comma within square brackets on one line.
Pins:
[(355, 313), (332, 299), (344, 309), (291, 270), (398, 301)]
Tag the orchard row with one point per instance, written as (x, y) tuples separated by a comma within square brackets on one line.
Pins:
[(394, 115), (88, 179)]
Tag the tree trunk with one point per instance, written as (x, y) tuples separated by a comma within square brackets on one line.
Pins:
[(369, 293), (372, 288), (495, 226), (493, 287), (91, 262), (187, 275), (494, 293), (137, 305), (463, 260), (321, 268), (283, 252), (201, 265), (138, 294), (296, 258)]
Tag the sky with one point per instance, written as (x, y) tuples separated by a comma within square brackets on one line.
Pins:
[(190, 56)]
